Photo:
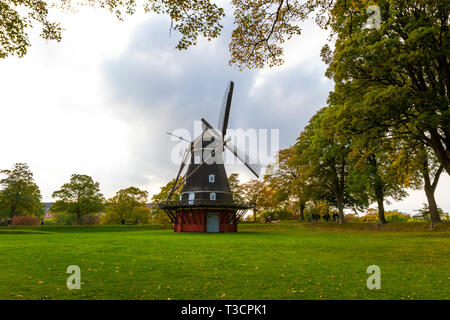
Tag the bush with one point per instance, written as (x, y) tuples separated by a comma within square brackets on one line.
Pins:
[(350, 217), (278, 214), (395, 216), (90, 219), (370, 217), (25, 221), (64, 218), (390, 216)]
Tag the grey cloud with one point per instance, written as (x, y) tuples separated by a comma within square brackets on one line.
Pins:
[(151, 80)]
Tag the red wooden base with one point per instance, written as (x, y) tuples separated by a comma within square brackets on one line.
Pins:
[(194, 220)]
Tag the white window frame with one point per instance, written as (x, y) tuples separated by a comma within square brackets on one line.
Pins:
[(196, 159), (191, 198), (212, 196), (212, 178)]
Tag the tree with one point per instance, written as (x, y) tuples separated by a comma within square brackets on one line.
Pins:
[(324, 155), (261, 26), (426, 213), (255, 192), (126, 204), (190, 18), (375, 175), (288, 181), (427, 171), (236, 187), (158, 214), (81, 196), (20, 194), (394, 78)]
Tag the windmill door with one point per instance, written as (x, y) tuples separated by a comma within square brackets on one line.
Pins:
[(212, 222)]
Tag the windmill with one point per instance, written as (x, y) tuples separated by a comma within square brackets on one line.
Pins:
[(206, 202)]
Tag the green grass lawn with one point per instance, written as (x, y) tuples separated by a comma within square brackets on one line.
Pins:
[(277, 261)]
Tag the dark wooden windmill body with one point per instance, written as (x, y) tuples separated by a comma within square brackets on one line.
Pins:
[(206, 202)]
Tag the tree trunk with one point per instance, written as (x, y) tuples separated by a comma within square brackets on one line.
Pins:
[(340, 206), (430, 188), (302, 211), (432, 206), (13, 211), (380, 202), (441, 153), (254, 215), (78, 216)]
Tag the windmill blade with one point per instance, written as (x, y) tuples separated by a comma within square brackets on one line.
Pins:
[(186, 156), (255, 168), (225, 109)]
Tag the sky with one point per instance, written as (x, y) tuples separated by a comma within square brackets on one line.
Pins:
[(101, 101)]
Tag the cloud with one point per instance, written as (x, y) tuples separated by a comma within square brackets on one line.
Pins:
[(163, 89)]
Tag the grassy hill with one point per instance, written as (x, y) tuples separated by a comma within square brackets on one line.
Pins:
[(287, 260)]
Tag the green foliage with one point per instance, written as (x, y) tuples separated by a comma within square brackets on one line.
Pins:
[(391, 216), (277, 214), (128, 205), (395, 216), (158, 216), (191, 18), (80, 197), (236, 187), (392, 83), (257, 193), (20, 194)]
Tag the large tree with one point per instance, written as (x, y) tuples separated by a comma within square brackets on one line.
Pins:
[(324, 155), (126, 204), (396, 77), (20, 194), (375, 173), (288, 181), (256, 192), (236, 187), (81, 196)]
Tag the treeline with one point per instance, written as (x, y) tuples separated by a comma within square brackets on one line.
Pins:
[(79, 201), (386, 124)]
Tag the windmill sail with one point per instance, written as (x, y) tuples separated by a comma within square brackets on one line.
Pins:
[(254, 167), (225, 110), (186, 156)]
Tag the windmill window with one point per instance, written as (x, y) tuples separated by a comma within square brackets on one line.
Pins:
[(197, 160), (212, 178), (212, 196), (191, 197)]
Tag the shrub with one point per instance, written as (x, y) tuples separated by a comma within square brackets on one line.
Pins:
[(25, 221), (278, 214), (390, 216), (395, 216), (369, 217), (351, 217), (63, 218), (90, 219)]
